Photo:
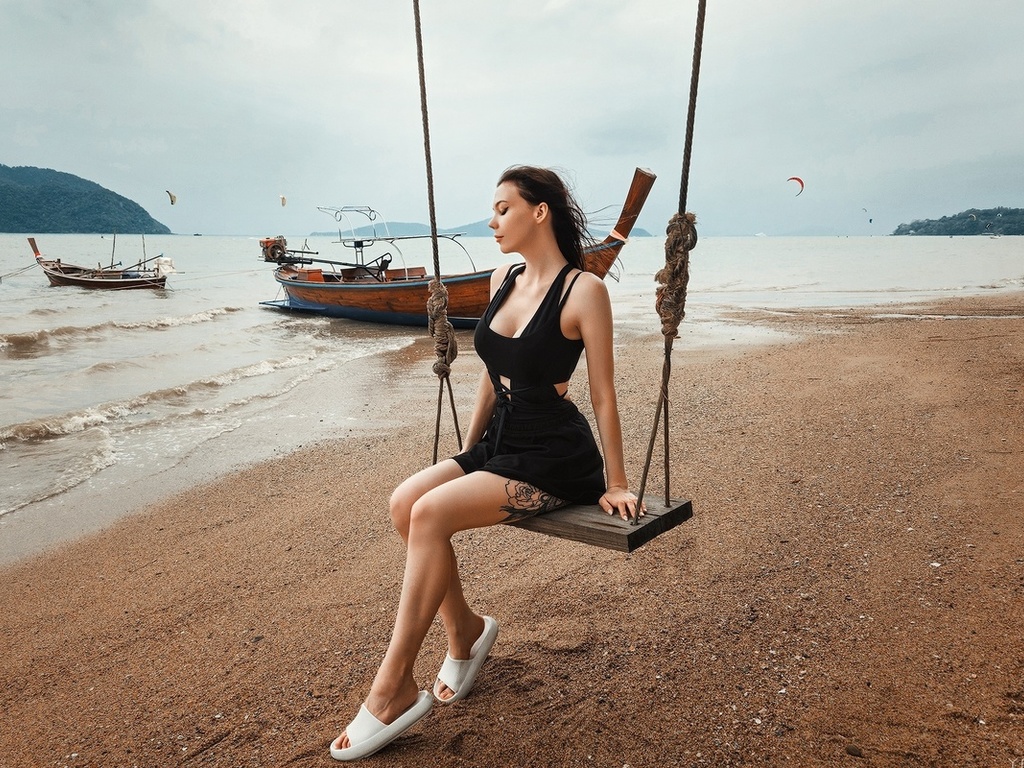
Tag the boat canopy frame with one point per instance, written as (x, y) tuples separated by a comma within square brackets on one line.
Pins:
[(359, 243)]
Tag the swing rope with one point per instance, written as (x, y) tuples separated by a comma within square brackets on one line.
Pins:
[(673, 278), (670, 301), (446, 347)]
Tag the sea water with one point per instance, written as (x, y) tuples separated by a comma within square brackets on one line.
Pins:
[(113, 399)]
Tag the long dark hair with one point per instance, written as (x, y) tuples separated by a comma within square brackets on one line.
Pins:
[(541, 185)]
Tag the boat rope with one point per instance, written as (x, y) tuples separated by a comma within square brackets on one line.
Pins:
[(446, 348), (681, 237), (17, 272)]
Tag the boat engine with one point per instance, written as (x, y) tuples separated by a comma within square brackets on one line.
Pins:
[(164, 265), (274, 248)]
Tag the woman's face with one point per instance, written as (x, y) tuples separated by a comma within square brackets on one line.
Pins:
[(515, 222)]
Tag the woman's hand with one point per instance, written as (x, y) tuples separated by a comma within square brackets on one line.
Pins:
[(622, 501)]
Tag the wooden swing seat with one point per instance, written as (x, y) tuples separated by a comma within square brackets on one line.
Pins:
[(589, 524)]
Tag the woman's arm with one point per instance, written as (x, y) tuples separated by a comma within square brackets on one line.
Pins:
[(593, 310)]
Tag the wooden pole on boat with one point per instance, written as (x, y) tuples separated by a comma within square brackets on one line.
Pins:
[(113, 245), (445, 344)]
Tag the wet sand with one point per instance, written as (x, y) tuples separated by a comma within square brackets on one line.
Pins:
[(850, 589)]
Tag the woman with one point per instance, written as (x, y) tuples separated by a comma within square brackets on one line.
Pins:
[(529, 448)]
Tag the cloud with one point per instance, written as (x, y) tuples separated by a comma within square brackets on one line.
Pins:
[(236, 102)]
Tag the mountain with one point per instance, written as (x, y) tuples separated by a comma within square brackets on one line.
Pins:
[(407, 228), (973, 221), (44, 201)]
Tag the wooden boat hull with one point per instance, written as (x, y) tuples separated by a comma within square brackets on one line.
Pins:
[(70, 274), (399, 299), (111, 278), (397, 302)]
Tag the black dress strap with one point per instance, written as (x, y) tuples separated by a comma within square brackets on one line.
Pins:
[(568, 290)]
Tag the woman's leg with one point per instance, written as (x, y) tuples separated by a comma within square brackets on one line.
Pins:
[(467, 501), (415, 486), (462, 624)]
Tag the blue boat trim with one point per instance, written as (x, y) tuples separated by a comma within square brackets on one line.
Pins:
[(369, 316)]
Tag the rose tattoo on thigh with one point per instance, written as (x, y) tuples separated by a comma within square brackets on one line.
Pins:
[(525, 500)]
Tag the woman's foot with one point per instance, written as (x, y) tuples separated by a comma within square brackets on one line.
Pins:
[(466, 654), (366, 735), (460, 647), (386, 706)]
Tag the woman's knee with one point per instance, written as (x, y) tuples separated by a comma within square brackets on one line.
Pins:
[(400, 508), (426, 518)]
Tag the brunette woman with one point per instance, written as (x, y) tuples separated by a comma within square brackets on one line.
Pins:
[(529, 450)]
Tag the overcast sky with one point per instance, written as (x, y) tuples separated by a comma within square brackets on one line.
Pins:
[(907, 110)]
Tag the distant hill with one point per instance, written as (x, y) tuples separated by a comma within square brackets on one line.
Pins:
[(974, 221), (44, 201), (407, 228)]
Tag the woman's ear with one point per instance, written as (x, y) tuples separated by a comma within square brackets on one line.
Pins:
[(540, 213)]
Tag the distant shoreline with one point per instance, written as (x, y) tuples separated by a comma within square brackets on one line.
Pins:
[(413, 228)]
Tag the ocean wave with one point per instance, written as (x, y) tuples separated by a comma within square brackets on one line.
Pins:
[(45, 311), (108, 366), (31, 343), (24, 344), (71, 473), (1007, 283), (748, 287), (283, 389), (177, 322), (78, 421), (58, 426), (261, 368), (307, 367)]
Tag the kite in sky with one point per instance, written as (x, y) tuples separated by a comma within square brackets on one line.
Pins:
[(799, 181), (174, 197)]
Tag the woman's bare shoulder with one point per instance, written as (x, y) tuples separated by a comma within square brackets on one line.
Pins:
[(499, 274), (590, 286), (587, 300)]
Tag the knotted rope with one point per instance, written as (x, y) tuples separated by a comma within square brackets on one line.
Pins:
[(670, 302), (446, 343), (446, 347)]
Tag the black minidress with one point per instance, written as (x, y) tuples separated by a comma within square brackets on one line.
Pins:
[(549, 446)]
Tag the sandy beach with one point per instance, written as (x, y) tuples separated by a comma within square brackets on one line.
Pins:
[(849, 591)]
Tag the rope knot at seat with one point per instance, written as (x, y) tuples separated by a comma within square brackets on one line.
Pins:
[(446, 345), (670, 299)]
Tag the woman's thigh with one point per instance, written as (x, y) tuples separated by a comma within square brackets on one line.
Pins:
[(414, 486), (480, 499)]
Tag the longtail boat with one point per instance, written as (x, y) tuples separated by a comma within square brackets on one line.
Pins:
[(113, 277), (372, 291)]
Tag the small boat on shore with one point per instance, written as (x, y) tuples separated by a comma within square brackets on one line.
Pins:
[(148, 273), (369, 289)]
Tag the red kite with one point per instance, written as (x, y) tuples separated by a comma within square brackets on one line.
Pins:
[(799, 181)]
